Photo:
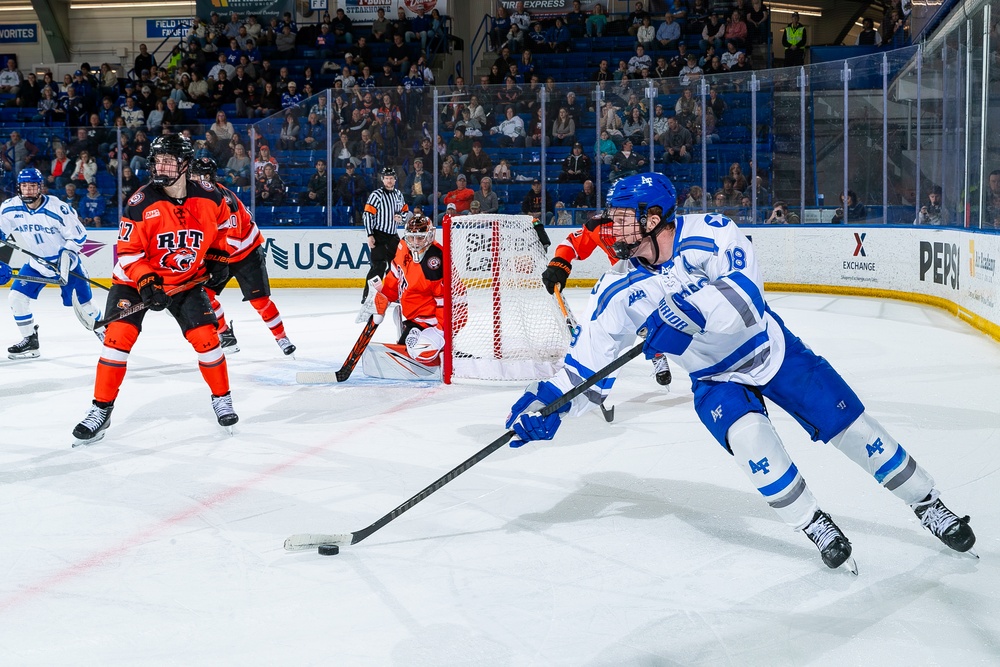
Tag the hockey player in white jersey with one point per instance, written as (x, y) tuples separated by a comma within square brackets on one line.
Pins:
[(49, 228), (693, 283)]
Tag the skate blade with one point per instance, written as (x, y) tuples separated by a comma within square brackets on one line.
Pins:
[(972, 554), (19, 356), (83, 443), (851, 565), (232, 349), (609, 413)]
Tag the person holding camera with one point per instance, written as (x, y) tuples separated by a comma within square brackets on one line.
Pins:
[(856, 211), (780, 215), (931, 213)]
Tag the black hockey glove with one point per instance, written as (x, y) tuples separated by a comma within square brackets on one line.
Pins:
[(556, 274), (543, 236), (217, 265), (151, 290)]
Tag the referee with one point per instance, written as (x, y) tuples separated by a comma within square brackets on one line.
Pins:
[(383, 214)]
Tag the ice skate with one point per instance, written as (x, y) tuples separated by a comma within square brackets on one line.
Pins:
[(92, 428), (26, 349), (662, 370), (223, 406), (286, 346), (945, 524), (227, 339), (833, 546)]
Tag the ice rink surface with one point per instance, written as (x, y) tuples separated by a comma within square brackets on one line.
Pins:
[(632, 543)]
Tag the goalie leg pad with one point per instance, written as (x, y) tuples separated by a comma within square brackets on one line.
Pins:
[(425, 345), (119, 337), (760, 454), (20, 307), (391, 362), (869, 445)]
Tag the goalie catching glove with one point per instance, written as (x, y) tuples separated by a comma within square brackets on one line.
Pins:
[(525, 419), (151, 290), (375, 305), (556, 273)]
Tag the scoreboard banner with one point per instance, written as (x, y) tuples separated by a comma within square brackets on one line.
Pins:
[(264, 9)]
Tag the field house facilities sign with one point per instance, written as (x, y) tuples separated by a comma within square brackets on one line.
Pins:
[(163, 28), (264, 9), (18, 33)]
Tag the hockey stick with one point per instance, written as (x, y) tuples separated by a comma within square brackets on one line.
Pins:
[(135, 308), (574, 330), (50, 265), (356, 351), (36, 279), (304, 541)]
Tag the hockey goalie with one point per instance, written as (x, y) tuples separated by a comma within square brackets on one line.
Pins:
[(416, 282)]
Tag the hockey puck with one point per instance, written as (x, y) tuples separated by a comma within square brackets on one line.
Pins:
[(328, 550)]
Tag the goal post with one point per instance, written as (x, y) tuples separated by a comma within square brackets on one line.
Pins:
[(500, 323)]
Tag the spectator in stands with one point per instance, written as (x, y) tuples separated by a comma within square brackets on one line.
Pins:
[(510, 130), (82, 142), (285, 43), (499, 27), (856, 211), (419, 185), (639, 60), (713, 33), (48, 108), (780, 215), (401, 24), (502, 173), (606, 148), (575, 166), (535, 130), (576, 21), (144, 60), (92, 207), (687, 110), (587, 197), (461, 196), (992, 201), (563, 129), (646, 35), (10, 78), (636, 129), (291, 99), (694, 197), (477, 164), (315, 192), (140, 152), (894, 31), (352, 190), (312, 135), (932, 212), (398, 55), (213, 148), (611, 124), (30, 92), (736, 30), (731, 196), (690, 73), (236, 173), (288, 138), (532, 202), (730, 56), (557, 37), (535, 40), (74, 107), (59, 169), (597, 21), (634, 19), (380, 27), (130, 183), (222, 128), (446, 178), (758, 22), (264, 158), (794, 39), (343, 27), (521, 18), (70, 196), (739, 179), (486, 197), (626, 162), (270, 189), (677, 141), (18, 153), (85, 170), (668, 34), (869, 36)]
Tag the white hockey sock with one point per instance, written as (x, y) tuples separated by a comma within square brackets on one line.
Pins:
[(761, 455), (20, 306), (869, 445)]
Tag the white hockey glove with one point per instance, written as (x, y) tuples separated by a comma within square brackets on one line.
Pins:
[(375, 305), (67, 259)]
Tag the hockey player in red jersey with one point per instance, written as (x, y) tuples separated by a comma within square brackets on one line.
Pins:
[(247, 263), (416, 281), (170, 230), (581, 244)]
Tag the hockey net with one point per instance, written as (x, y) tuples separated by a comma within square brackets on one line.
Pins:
[(500, 322)]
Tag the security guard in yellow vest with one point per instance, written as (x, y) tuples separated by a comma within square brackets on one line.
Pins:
[(794, 40)]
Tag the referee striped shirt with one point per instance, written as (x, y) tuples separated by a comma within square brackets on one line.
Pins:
[(381, 209)]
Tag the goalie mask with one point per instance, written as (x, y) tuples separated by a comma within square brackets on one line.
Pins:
[(639, 208), (29, 185), (169, 159), (419, 235)]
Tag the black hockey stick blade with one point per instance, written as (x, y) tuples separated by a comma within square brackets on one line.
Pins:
[(609, 413), (304, 541), (356, 351)]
